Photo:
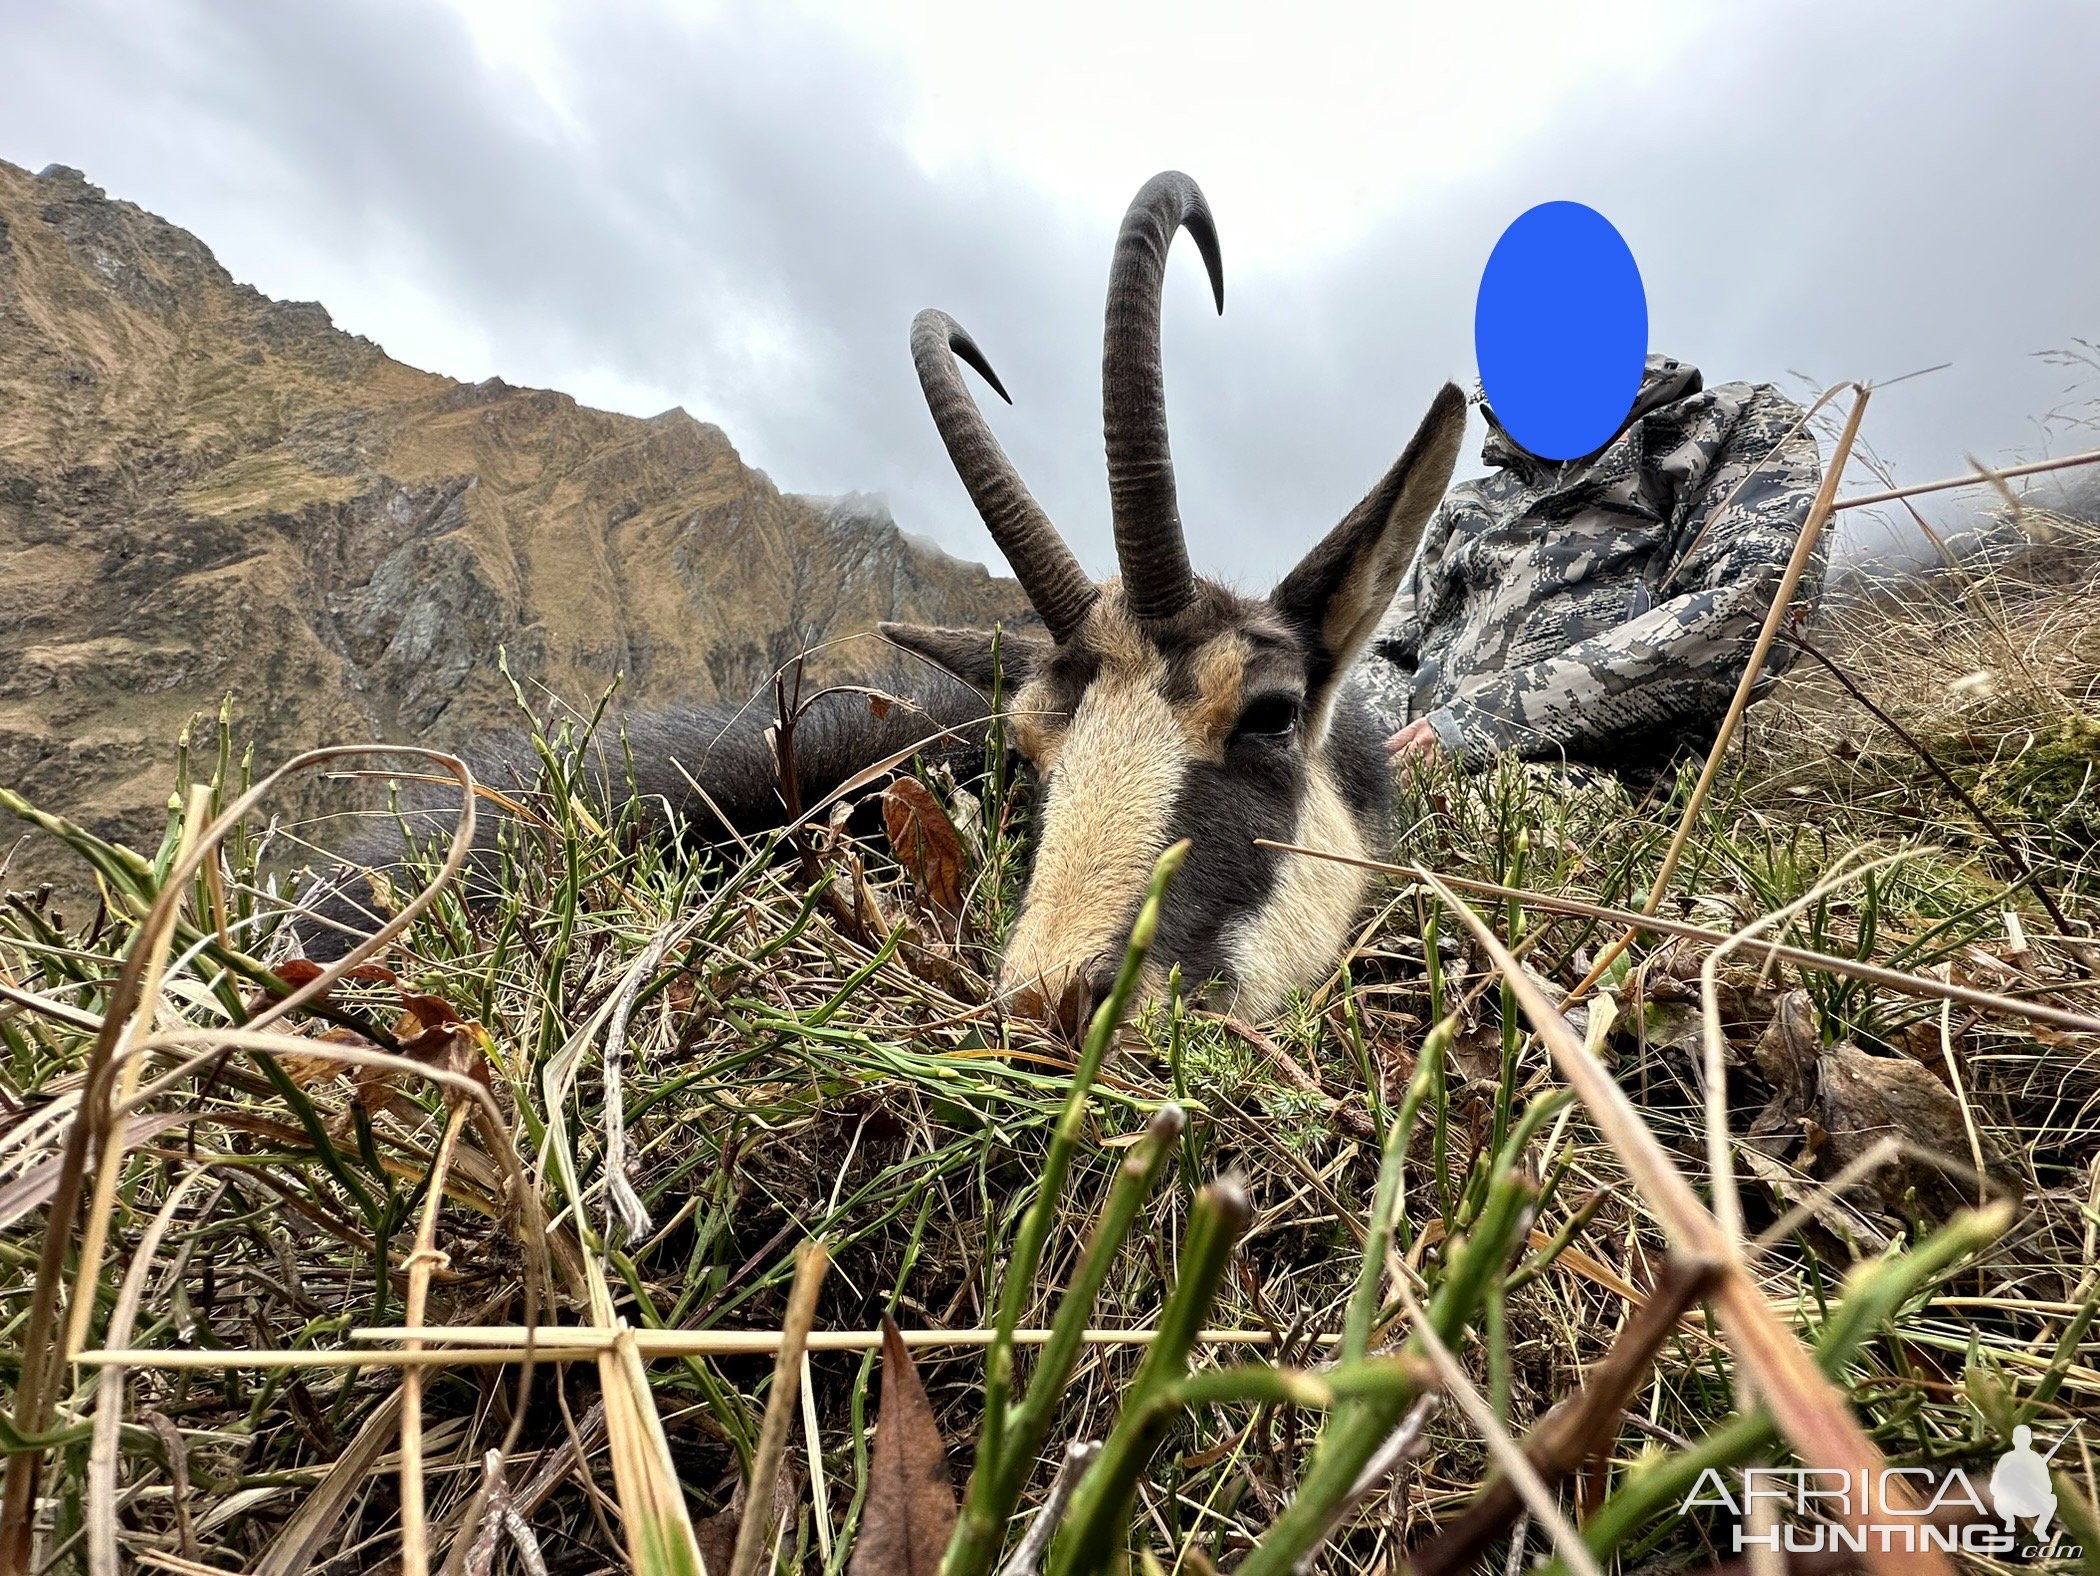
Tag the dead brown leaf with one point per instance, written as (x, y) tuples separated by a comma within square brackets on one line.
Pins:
[(305, 1071), (926, 844), (430, 1031), (1786, 1055), (296, 972), (1837, 1102), (1862, 1099), (716, 1535), (1476, 1050), (1786, 1051), (910, 1511)]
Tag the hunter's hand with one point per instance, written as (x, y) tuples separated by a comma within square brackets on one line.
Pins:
[(1417, 742)]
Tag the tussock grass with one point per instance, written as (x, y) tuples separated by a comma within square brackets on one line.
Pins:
[(628, 1093), (1993, 664)]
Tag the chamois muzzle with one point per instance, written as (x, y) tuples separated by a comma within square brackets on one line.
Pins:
[(1062, 1000)]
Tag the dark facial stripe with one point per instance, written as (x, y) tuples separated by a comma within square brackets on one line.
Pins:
[(1136, 735), (1224, 808)]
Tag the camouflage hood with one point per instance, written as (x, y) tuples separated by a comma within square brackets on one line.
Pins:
[(1664, 381)]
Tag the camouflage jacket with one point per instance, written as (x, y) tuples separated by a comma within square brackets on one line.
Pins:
[(1600, 611)]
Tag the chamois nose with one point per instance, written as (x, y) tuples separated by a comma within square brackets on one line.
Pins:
[(1063, 999)]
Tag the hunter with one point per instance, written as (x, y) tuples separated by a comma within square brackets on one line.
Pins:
[(1598, 612)]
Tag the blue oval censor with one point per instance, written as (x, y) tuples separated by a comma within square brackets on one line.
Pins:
[(1560, 329)]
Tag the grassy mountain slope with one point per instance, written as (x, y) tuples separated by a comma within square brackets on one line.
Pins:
[(206, 492)]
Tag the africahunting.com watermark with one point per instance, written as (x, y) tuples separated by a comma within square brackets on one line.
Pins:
[(1814, 1510)]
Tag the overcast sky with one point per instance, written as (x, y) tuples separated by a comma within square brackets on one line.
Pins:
[(738, 208)]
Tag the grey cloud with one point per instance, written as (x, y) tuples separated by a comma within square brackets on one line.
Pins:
[(1824, 194), (734, 218)]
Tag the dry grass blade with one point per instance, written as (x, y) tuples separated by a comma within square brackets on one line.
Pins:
[(911, 1498), (109, 1390), (1975, 478), (1926, 985), (1813, 1416), (42, 1347), (623, 1206), (297, 1548), (415, 1538), (1517, 1469), (36, 1187), (1753, 674), (658, 1528), (1580, 1427), (55, 1010), (153, 941), (577, 1343), (154, 1559), (811, 1261), (813, 1445)]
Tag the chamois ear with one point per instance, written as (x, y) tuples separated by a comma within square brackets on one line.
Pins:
[(976, 656), (1342, 588)]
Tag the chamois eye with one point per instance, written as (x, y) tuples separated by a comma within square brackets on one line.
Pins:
[(1269, 717)]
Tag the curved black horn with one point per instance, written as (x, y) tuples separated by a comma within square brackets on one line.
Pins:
[(1049, 574), (1157, 581)]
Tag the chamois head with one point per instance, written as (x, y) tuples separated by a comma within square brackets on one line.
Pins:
[(1163, 705)]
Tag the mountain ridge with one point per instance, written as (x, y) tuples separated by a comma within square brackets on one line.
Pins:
[(205, 491)]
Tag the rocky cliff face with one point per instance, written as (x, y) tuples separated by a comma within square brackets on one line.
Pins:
[(204, 492)]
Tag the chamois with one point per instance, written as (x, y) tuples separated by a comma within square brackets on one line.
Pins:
[(1153, 706)]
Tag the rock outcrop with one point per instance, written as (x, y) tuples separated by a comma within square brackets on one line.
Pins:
[(205, 492)]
